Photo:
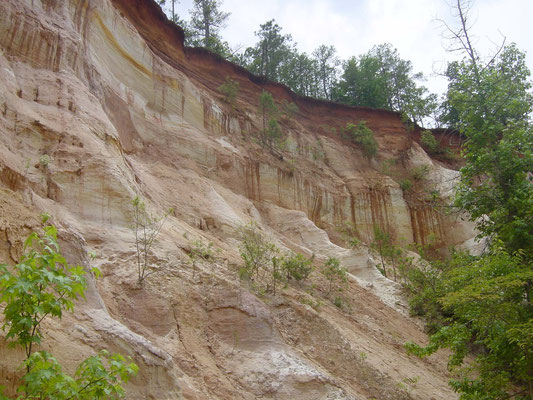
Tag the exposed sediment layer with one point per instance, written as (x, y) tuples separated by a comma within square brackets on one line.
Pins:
[(99, 102)]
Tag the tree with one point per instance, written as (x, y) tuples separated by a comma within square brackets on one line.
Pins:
[(334, 273), (229, 89), (271, 52), (173, 16), (262, 263), (382, 241), (493, 104), (487, 303), (299, 72), (256, 251), (326, 69), (271, 132), (200, 251), (489, 298), (43, 284), (206, 21), (381, 79), (145, 227)]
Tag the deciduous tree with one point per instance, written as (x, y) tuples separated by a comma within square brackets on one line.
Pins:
[(326, 63), (44, 285), (489, 298), (381, 79)]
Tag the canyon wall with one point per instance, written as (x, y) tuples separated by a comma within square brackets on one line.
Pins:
[(100, 102)]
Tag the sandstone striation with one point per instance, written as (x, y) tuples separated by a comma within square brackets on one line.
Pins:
[(99, 102)]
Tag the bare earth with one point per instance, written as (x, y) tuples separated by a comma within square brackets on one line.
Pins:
[(99, 102)]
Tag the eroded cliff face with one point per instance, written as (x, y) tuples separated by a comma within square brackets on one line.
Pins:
[(99, 102)]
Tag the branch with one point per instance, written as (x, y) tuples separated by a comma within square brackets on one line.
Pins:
[(85, 387)]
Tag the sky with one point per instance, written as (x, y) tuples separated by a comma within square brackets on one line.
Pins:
[(354, 26)]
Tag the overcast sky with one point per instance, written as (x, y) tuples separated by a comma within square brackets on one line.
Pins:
[(354, 26)]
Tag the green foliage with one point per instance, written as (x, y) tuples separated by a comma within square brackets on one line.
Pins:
[(271, 133), (423, 282), (429, 142), (382, 240), (206, 21), (488, 299), (145, 227), (354, 242), (44, 160), (311, 302), (338, 302), (301, 74), (275, 57), (271, 53), (383, 243), (363, 136), (200, 251), (485, 301), (349, 234), (326, 70), (335, 274), (493, 107), (229, 89), (42, 284), (406, 185), (419, 173), (296, 266), (97, 377), (257, 253), (381, 79), (264, 263)]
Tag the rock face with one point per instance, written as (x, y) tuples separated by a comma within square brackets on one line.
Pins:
[(99, 102)]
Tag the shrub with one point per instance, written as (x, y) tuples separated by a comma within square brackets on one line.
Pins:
[(43, 284), (429, 142), (338, 302), (229, 89), (271, 133), (288, 110), (264, 263), (334, 273), (256, 251), (44, 161), (146, 227), (349, 234), (363, 136), (405, 185), (200, 251), (420, 172), (384, 245), (296, 266)]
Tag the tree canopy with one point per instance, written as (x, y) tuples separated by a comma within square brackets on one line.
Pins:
[(272, 51), (206, 21), (487, 299), (381, 79)]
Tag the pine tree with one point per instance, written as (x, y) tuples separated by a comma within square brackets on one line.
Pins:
[(206, 21)]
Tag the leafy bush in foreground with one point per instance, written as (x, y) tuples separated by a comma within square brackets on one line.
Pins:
[(43, 284)]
